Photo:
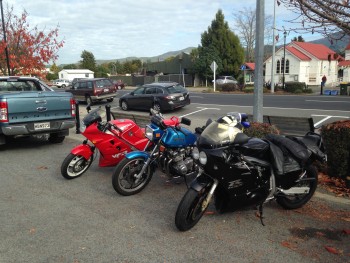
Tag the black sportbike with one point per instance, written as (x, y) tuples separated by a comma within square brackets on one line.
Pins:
[(240, 171)]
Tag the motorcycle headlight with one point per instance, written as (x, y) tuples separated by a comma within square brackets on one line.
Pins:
[(203, 158), (195, 153), (149, 133)]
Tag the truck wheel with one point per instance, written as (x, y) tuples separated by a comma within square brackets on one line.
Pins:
[(63, 86), (54, 138), (110, 99)]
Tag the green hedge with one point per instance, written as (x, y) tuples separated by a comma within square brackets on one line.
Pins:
[(336, 138), (295, 87), (227, 87)]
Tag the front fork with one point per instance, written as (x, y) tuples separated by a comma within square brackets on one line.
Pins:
[(146, 164), (210, 195)]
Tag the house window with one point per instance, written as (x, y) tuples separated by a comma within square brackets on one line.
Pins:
[(287, 66), (86, 75), (278, 67)]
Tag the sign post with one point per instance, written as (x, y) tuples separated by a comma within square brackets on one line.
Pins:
[(213, 67)]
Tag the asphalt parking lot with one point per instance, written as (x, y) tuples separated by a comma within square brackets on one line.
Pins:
[(46, 218)]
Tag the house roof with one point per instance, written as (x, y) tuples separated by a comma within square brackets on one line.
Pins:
[(298, 53), (319, 51), (250, 65), (344, 63)]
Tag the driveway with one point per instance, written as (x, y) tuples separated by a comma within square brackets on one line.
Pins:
[(45, 218)]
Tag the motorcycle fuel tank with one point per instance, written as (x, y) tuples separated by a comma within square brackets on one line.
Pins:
[(178, 138)]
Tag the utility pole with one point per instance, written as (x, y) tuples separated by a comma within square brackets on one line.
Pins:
[(273, 49), (259, 56)]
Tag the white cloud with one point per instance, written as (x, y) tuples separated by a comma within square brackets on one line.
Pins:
[(112, 29)]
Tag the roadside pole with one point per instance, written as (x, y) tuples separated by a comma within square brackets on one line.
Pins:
[(213, 67), (259, 54)]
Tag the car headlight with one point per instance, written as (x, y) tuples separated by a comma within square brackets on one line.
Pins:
[(149, 133), (203, 158), (195, 153)]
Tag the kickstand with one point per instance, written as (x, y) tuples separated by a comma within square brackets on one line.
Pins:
[(260, 214)]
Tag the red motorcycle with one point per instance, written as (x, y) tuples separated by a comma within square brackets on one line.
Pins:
[(113, 139)]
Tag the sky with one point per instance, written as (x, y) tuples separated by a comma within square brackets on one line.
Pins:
[(115, 29)]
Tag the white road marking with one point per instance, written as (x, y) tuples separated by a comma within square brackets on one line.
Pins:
[(201, 109)]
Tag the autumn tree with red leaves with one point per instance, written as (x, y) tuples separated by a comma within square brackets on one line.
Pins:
[(29, 49), (328, 18)]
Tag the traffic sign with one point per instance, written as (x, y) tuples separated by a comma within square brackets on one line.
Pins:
[(213, 66)]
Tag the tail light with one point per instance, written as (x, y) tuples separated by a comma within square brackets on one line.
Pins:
[(72, 107), (3, 111)]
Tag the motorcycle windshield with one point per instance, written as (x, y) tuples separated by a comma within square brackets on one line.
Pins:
[(93, 116), (220, 133)]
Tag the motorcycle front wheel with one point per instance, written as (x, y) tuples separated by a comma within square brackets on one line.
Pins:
[(190, 209), (124, 178), (74, 166), (298, 200)]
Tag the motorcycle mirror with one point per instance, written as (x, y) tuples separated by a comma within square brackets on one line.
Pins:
[(186, 121)]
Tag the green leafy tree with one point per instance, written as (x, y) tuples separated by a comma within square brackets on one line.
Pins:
[(88, 61), (206, 56), (101, 71), (70, 66), (220, 37)]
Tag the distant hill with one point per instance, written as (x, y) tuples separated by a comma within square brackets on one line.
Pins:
[(336, 45), (149, 59)]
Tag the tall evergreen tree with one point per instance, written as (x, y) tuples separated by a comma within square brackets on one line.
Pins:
[(227, 44), (88, 61)]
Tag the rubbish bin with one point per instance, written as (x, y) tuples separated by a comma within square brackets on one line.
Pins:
[(344, 88)]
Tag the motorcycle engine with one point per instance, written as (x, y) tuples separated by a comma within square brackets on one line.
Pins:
[(177, 162)]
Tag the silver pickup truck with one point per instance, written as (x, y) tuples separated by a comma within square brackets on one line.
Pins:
[(29, 107)]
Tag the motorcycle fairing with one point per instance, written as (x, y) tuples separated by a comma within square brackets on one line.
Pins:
[(83, 150)]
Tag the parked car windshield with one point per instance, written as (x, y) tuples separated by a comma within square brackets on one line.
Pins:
[(176, 89)]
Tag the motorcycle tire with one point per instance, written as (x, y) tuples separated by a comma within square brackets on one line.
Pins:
[(190, 211), (74, 166), (298, 200), (123, 178)]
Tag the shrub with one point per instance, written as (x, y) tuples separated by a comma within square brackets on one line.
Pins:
[(293, 86), (260, 130), (228, 87), (308, 90), (336, 138)]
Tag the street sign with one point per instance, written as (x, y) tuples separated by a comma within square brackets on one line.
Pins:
[(243, 67), (213, 66)]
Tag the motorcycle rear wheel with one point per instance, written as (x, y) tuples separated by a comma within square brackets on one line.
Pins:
[(74, 166), (190, 210), (298, 200), (124, 180)]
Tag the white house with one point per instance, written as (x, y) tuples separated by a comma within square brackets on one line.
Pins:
[(344, 66), (305, 62), (71, 74)]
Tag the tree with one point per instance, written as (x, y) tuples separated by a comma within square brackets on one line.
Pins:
[(299, 39), (29, 48), (245, 22), (206, 56), (70, 66), (88, 61), (220, 37), (328, 18)]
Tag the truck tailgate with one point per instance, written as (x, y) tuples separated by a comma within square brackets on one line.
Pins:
[(42, 106)]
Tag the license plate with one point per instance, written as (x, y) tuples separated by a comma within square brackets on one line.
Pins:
[(181, 98), (106, 90), (41, 126)]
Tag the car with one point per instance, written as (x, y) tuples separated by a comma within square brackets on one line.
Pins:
[(161, 96), (119, 84), (61, 83), (91, 90), (225, 79)]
